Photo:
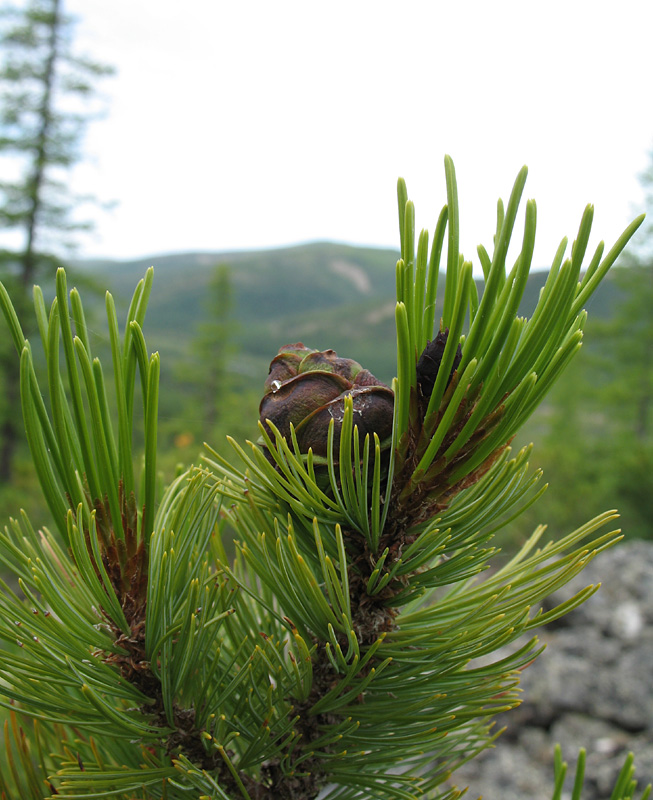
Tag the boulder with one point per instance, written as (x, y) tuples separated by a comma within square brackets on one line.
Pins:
[(592, 687)]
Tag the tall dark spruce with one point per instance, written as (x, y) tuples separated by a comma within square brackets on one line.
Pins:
[(39, 75)]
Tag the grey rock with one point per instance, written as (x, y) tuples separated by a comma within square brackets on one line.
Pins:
[(625, 600), (583, 674), (591, 688), (509, 772), (607, 746)]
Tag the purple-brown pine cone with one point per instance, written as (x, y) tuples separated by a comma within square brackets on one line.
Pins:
[(308, 388)]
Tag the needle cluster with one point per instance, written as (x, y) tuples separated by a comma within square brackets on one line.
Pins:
[(349, 647)]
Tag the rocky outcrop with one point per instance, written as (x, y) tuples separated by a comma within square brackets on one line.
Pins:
[(592, 687)]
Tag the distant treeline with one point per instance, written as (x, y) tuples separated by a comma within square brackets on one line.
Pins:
[(218, 319)]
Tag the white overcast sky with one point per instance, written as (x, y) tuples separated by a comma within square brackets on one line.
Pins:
[(238, 125)]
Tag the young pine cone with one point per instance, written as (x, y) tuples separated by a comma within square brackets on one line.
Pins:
[(308, 388)]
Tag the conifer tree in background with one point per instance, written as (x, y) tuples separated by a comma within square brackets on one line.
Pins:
[(597, 439), (206, 366), (215, 342), (346, 651), (44, 108), (635, 314)]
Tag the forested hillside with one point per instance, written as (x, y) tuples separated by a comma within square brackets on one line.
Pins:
[(219, 318), (328, 295)]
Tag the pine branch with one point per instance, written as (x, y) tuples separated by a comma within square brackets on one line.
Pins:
[(347, 648), (455, 415)]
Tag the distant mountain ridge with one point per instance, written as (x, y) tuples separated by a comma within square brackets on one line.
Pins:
[(325, 294)]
